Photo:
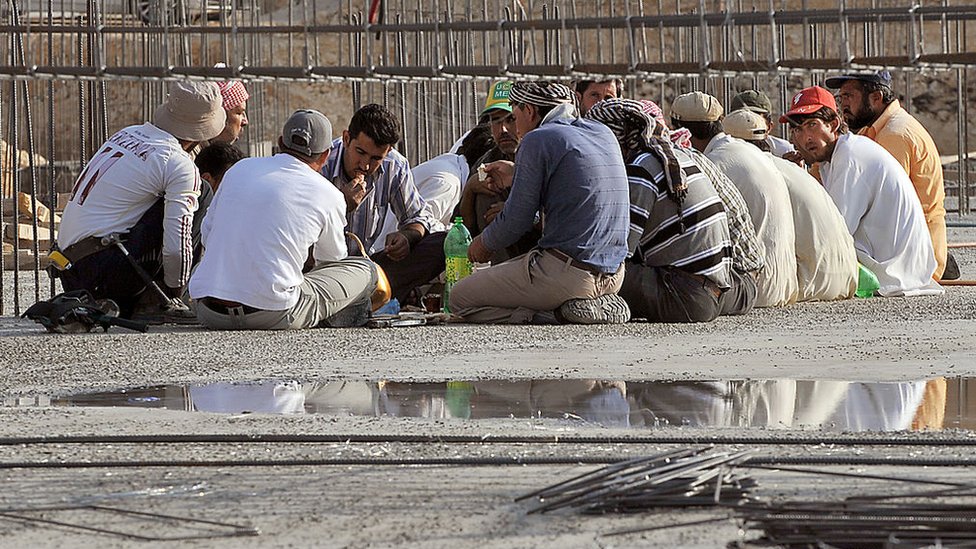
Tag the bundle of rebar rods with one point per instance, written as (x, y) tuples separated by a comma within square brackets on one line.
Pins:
[(861, 524), (682, 478)]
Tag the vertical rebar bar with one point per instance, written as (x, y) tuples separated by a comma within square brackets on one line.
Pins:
[(32, 166), (51, 157), (13, 145), (4, 162), (963, 162)]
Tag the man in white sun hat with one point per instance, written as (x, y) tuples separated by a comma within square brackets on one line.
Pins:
[(141, 185)]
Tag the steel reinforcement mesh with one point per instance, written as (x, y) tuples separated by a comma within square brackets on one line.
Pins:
[(74, 71)]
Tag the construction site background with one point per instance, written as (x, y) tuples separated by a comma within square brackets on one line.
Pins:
[(75, 71)]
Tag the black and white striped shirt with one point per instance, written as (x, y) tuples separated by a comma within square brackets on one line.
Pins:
[(695, 238)]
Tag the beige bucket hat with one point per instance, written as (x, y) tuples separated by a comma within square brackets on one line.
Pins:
[(193, 111)]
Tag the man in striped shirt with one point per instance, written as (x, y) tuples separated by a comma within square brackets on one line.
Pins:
[(760, 185), (376, 179), (747, 250), (680, 254)]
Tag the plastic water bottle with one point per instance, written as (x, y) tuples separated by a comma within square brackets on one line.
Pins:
[(392, 307), (457, 398), (456, 263), (867, 282)]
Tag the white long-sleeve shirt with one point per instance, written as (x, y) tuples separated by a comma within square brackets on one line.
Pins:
[(779, 146), (131, 171), (878, 202), (826, 265), (439, 181), (765, 194)]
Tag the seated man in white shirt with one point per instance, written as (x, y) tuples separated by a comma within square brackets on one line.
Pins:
[(142, 186), (441, 179), (826, 265), (872, 192), (271, 217)]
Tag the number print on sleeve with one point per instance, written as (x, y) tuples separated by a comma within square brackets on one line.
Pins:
[(95, 169)]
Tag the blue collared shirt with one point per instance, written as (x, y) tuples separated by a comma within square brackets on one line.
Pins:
[(390, 188), (570, 169)]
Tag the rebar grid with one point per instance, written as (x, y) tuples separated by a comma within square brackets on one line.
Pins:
[(77, 70)]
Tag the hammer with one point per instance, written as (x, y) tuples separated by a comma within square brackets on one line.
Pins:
[(168, 304)]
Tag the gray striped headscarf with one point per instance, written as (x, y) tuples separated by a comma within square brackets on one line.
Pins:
[(541, 94), (637, 130)]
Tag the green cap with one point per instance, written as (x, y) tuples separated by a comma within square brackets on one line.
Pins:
[(752, 100), (498, 97)]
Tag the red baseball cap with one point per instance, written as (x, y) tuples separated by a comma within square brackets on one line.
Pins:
[(808, 101)]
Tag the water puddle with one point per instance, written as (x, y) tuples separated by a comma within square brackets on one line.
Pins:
[(933, 404)]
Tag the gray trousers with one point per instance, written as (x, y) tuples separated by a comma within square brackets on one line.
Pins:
[(511, 293), (334, 294), (741, 298), (668, 294)]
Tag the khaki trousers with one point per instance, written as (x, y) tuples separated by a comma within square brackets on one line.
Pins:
[(512, 292)]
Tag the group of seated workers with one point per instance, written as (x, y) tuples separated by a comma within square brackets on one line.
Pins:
[(590, 208)]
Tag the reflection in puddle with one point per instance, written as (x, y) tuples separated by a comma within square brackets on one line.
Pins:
[(776, 404)]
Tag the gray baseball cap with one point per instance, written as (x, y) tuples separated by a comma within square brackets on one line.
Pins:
[(307, 132)]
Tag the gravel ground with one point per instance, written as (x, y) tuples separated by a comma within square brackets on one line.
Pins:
[(296, 504)]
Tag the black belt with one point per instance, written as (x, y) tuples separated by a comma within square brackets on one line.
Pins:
[(563, 256), (84, 248), (224, 307)]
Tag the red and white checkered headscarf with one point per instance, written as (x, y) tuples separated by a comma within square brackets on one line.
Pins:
[(233, 93)]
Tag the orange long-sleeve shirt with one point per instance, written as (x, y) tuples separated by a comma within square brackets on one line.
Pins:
[(902, 135)]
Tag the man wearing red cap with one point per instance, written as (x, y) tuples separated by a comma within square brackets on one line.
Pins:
[(872, 193)]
